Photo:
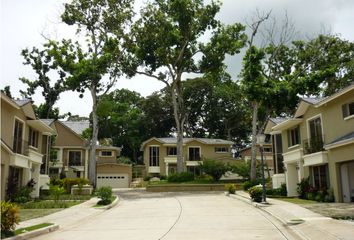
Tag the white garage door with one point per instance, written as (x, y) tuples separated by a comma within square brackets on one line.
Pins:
[(114, 180)]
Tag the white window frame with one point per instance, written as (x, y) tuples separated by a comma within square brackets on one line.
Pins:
[(158, 146), (308, 125), (289, 137), (168, 152), (350, 116), (227, 149), (13, 130), (112, 154)]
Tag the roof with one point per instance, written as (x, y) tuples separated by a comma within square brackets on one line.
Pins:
[(273, 122), (173, 140), (278, 120), (343, 140), (312, 100), (77, 126), (22, 102), (47, 121), (335, 95)]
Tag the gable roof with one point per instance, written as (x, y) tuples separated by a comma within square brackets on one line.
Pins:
[(273, 122), (22, 102), (77, 126), (173, 140)]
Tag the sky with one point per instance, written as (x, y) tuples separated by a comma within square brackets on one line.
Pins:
[(24, 23)]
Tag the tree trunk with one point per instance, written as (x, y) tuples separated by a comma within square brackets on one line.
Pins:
[(253, 173), (177, 101), (92, 162)]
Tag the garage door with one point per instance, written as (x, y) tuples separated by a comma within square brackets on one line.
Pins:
[(113, 180)]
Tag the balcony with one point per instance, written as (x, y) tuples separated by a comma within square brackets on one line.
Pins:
[(20, 146), (317, 158), (292, 156), (74, 163), (313, 145)]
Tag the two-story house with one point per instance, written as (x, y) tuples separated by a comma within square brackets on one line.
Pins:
[(160, 154), (318, 142), (25, 145)]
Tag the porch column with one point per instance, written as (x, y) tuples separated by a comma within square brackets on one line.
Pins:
[(166, 169), (86, 162)]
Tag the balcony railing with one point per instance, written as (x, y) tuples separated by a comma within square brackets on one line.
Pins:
[(20, 146), (313, 145)]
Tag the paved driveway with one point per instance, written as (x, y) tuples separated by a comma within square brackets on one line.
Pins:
[(145, 216)]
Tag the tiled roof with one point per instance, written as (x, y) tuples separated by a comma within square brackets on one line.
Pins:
[(22, 102), (77, 126), (312, 100), (47, 121), (278, 120), (348, 136), (173, 140)]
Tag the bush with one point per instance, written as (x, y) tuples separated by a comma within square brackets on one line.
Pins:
[(9, 217), (256, 193), (303, 187), (163, 177), (180, 177), (105, 194), (248, 184), (56, 191), (69, 182), (231, 188), (57, 182), (329, 197), (23, 194), (147, 178), (214, 168)]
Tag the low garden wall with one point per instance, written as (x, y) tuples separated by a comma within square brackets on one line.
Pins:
[(187, 187)]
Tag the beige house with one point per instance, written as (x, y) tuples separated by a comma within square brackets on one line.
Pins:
[(72, 153), (160, 154), (319, 142), (246, 155), (25, 144)]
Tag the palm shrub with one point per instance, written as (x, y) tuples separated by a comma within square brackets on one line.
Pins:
[(105, 194), (56, 191), (255, 193), (214, 168), (9, 218)]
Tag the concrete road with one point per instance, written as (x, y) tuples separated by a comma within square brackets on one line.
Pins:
[(144, 216)]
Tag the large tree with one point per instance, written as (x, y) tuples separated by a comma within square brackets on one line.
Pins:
[(49, 76), (100, 59), (167, 44)]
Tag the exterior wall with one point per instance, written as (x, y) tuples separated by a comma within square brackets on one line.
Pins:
[(115, 168), (206, 152), (106, 159), (267, 157), (5, 161), (66, 137)]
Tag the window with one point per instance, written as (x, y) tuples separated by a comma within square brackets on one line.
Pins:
[(74, 158), (221, 149), (33, 138), (154, 156), (315, 128), (319, 174), (106, 153), (18, 132), (348, 109), (171, 151), (293, 137), (194, 154), (267, 149)]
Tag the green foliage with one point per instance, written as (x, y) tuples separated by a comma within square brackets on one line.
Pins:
[(255, 193), (7, 91), (278, 191), (180, 177), (248, 184), (105, 194), (67, 183), (231, 188), (56, 191), (9, 217), (214, 168), (124, 160), (147, 178), (303, 187), (23, 194), (48, 204)]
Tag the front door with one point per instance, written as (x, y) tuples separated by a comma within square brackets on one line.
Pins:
[(347, 181)]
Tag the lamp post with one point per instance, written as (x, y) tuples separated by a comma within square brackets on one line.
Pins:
[(260, 141)]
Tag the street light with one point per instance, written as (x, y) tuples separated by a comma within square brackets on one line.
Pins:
[(261, 141)]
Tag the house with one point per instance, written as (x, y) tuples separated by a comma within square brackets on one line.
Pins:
[(25, 145), (71, 153), (246, 155), (160, 154), (318, 142)]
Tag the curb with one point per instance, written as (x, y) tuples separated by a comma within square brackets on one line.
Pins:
[(109, 206), (35, 233), (261, 206)]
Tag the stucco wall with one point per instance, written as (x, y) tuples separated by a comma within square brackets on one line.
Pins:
[(66, 137)]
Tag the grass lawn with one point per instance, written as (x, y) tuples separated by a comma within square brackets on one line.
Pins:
[(297, 200), (32, 228), (42, 208), (68, 197), (26, 214)]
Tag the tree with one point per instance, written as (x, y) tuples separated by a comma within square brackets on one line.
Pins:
[(44, 65), (96, 66), (167, 45), (7, 91)]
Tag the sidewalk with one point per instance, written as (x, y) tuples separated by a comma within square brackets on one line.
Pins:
[(315, 226), (67, 217)]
